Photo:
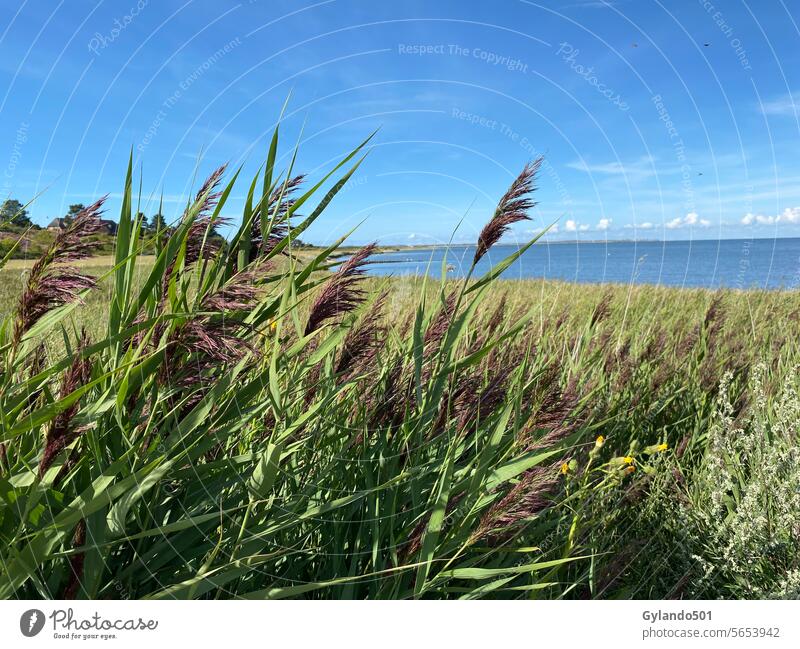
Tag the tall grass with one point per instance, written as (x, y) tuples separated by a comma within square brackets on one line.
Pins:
[(248, 422)]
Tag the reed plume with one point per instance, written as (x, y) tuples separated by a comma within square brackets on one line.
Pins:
[(389, 398), (497, 317), (436, 330), (63, 429), (688, 341), (432, 340), (53, 282), (283, 198), (76, 561), (364, 341), (655, 347), (712, 327), (199, 242), (714, 318), (36, 365), (513, 207), (414, 543), (531, 495), (280, 202), (214, 336), (206, 198), (456, 402), (238, 294), (601, 310), (480, 404), (555, 418), (342, 293)]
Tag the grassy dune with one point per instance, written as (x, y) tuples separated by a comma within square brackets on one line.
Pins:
[(247, 423)]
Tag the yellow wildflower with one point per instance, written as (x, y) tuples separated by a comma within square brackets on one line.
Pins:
[(564, 468), (598, 443), (656, 448), (628, 459)]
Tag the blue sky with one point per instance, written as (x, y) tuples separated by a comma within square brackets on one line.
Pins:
[(657, 119)]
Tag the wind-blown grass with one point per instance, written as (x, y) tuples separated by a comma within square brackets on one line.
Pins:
[(243, 422)]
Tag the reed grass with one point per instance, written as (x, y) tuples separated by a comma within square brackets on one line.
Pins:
[(247, 422)]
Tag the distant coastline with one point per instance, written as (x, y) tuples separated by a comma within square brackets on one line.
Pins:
[(384, 248), (700, 263)]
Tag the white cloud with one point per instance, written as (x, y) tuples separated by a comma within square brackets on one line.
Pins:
[(640, 226), (603, 224), (690, 220), (573, 226), (553, 229), (786, 105), (789, 215), (413, 235), (639, 169)]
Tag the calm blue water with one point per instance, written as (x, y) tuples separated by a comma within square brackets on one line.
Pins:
[(734, 263)]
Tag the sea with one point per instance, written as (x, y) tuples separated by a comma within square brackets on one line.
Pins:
[(729, 263)]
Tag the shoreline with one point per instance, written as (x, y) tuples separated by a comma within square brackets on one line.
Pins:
[(106, 261), (751, 290), (545, 241)]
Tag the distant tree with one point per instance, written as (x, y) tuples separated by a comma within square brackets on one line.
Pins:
[(12, 212), (157, 222), (145, 223), (74, 210)]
